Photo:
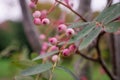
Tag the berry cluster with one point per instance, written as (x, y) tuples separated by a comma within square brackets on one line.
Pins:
[(40, 18)]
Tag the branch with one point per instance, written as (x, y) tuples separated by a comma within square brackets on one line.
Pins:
[(86, 57), (72, 10), (29, 29), (100, 60), (109, 3)]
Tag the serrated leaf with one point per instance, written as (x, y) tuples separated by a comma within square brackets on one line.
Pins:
[(78, 24), (46, 55), (89, 38), (85, 31), (112, 27), (69, 72), (109, 14), (36, 69)]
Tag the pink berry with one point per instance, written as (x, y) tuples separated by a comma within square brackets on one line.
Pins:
[(44, 46), (54, 48), (42, 52), (62, 27), (43, 14), (72, 48), (36, 14), (37, 21), (42, 37), (45, 21), (55, 58), (70, 32), (66, 52), (53, 41), (32, 5)]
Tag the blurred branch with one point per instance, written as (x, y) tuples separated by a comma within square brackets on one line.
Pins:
[(109, 3), (72, 10), (29, 29)]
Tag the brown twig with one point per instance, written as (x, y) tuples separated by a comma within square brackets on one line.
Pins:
[(86, 57), (72, 10), (100, 60)]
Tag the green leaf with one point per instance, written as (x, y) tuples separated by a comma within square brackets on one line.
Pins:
[(36, 69), (46, 55), (89, 38), (68, 71), (109, 14), (78, 24), (112, 27), (85, 31)]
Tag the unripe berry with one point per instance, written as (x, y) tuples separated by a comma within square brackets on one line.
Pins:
[(70, 32), (32, 5), (42, 37), (37, 21), (55, 58), (54, 48), (53, 40), (72, 48), (62, 27), (44, 46), (45, 21), (66, 52), (36, 14)]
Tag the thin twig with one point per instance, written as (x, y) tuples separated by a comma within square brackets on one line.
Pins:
[(72, 10), (109, 3), (100, 60), (86, 57)]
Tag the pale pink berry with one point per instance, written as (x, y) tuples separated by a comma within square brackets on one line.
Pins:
[(44, 46), (42, 52), (66, 52), (54, 48), (55, 58), (32, 5), (72, 48), (42, 37), (62, 27), (53, 40), (45, 21), (70, 32), (43, 14), (37, 21), (36, 14)]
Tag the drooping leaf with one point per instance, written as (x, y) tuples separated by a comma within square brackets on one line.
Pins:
[(36, 69), (79, 24), (89, 38), (69, 72), (46, 55), (112, 27), (109, 14), (85, 31)]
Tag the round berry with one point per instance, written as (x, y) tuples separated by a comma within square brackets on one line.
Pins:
[(66, 52), (44, 46), (36, 14), (42, 37), (70, 32), (45, 21), (54, 48), (53, 41), (72, 48), (32, 5), (55, 58), (62, 27), (37, 21)]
